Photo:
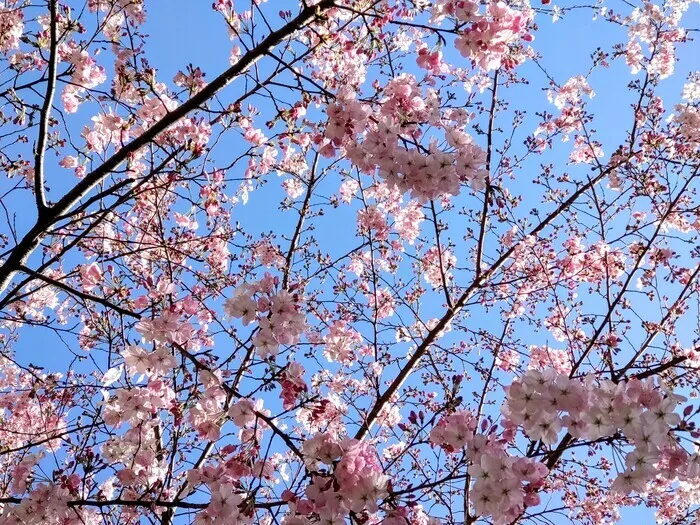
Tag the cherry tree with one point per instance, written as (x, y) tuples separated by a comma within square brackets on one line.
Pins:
[(372, 261)]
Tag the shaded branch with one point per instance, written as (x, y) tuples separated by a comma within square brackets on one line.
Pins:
[(46, 114)]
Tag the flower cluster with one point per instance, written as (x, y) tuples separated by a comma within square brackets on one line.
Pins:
[(462, 10), (407, 221), (107, 130), (503, 484), (137, 404), (585, 150), (569, 98), (687, 118), (425, 173), (325, 415), (507, 360), (341, 342), (169, 327), (135, 452), (454, 431), (659, 30), (381, 301), (224, 507), (542, 403), (134, 9), (357, 483), (293, 384), (591, 264), (90, 276), (27, 413), (157, 363), (11, 26), (229, 503), (431, 61), (571, 93), (542, 357), (278, 314), (437, 266), (372, 221), (489, 37), (204, 416), (86, 74), (47, 504), (346, 117)]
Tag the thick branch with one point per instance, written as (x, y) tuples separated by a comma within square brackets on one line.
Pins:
[(46, 114), (143, 503), (78, 293)]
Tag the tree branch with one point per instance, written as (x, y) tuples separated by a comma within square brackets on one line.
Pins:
[(46, 114), (479, 280)]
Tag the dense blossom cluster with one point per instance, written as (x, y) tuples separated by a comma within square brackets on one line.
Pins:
[(543, 403), (437, 266), (687, 114), (356, 483), (11, 25), (341, 343), (86, 74), (278, 314), (571, 93), (168, 327), (134, 405), (591, 264), (488, 38), (293, 385), (425, 173), (503, 484), (491, 39), (47, 504), (658, 30), (25, 412), (544, 357), (27, 415), (224, 506)]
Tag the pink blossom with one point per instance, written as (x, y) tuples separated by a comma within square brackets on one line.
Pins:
[(11, 27), (91, 276)]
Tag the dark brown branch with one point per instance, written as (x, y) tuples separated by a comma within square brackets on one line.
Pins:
[(300, 223), (143, 503), (46, 114), (443, 277), (78, 293), (487, 191)]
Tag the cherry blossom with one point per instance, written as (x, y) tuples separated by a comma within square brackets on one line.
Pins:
[(378, 262)]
